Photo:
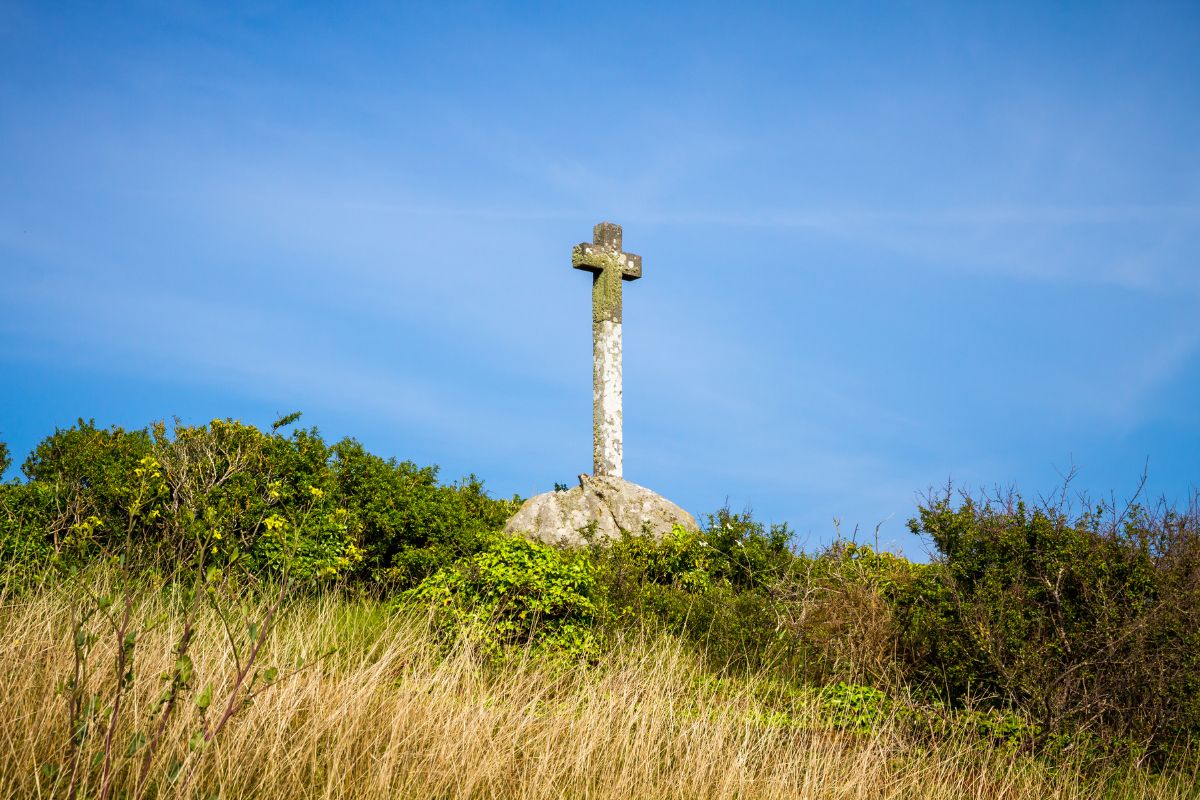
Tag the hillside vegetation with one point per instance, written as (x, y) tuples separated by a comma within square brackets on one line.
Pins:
[(225, 611)]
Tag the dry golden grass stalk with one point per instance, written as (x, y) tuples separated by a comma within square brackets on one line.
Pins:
[(391, 714)]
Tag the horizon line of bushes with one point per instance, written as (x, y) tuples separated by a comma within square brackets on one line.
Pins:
[(1057, 626)]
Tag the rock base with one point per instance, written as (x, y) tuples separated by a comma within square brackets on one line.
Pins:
[(613, 504)]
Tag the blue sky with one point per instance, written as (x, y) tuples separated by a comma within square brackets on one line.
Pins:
[(884, 247)]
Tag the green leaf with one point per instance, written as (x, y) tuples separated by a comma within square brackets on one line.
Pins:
[(271, 675), (204, 699), (136, 742), (183, 668)]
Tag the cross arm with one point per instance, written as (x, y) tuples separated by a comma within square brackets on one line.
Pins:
[(597, 258)]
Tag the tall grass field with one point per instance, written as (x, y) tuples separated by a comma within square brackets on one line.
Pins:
[(381, 707)]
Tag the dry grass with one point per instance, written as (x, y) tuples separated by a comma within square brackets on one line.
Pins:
[(387, 716)]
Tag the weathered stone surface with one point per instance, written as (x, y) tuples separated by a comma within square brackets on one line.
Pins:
[(603, 501), (614, 504), (607, 415), (609, 265)]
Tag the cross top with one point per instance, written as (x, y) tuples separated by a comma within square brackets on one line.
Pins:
[(607, 234), (609, 265)]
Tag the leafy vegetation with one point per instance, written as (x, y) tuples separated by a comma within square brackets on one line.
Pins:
[(1088, 622), (515, 592), (1061, 636), (337, 511)]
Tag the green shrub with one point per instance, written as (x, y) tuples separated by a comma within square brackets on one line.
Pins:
[(78, 490), (25, 550), (411, 525), (836, 609), (716, 595), (517, 592), (851, 705), (747, 554), (1087, 623), (277, 501)]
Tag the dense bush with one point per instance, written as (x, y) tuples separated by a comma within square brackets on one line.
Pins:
[(517, 592), (409, 524), (80, 484), (1088, 622), (277, 502), (713, 586), (839, 607)]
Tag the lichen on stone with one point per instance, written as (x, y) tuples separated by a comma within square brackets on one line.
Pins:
[(607, 415), (602, 505)]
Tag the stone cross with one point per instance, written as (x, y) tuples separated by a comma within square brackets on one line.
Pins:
[(609, 266)]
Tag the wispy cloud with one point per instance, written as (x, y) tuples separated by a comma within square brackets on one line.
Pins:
[(1136, 247)]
